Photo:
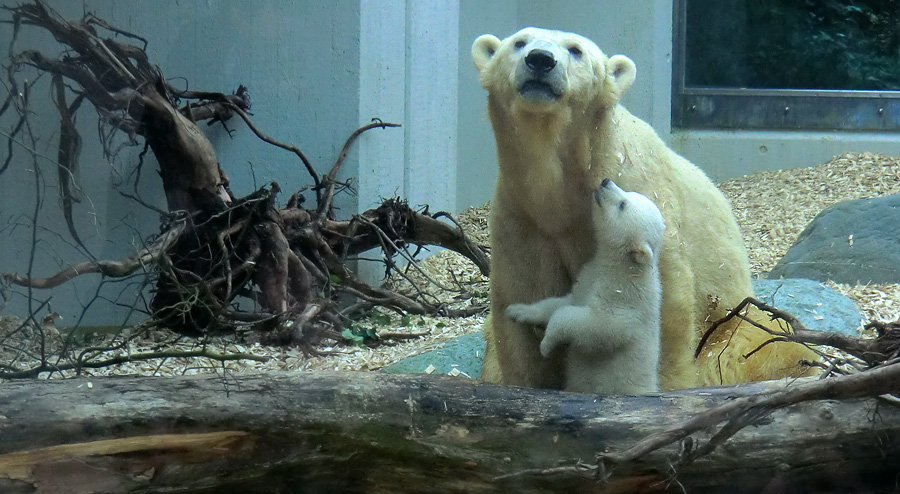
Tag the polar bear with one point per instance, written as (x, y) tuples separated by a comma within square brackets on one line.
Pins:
[(610, 321), (553, 103)]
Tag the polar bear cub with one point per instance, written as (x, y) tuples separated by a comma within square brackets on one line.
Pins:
[(611, 319)]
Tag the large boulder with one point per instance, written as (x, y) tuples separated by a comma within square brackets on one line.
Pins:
[(852, 242)]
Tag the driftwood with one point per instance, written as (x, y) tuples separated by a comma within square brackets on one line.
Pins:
[(376, 432)]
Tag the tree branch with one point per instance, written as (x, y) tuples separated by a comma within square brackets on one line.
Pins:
[(113, 269), (325, 201), (288, 147)]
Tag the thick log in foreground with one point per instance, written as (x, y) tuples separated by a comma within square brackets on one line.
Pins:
[(375, 432)]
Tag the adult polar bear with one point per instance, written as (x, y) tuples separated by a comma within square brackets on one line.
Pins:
[(553, 102)]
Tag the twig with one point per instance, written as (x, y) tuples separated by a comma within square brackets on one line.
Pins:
[(91, 19), (579, 468), (402, 336), (431, 231), (121, 359), (69, 149), (212, 108), (385, 240), (19, 125)]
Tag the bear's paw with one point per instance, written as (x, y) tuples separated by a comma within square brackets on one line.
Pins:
[(525, 313)]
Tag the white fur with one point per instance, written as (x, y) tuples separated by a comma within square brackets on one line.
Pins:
[(611, 319), (560, 130)]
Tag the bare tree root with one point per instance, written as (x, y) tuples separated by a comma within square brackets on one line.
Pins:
[(289, 264)]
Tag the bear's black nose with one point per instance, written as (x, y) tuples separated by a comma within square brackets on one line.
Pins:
[(540, 60), (605, 182)]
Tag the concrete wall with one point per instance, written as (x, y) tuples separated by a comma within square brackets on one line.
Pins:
[(728, 154), (403, 45)]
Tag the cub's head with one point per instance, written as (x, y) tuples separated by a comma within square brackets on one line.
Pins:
[(628, 221), (542, 70)]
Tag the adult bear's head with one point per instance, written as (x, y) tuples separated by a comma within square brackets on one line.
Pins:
[(538, 70)]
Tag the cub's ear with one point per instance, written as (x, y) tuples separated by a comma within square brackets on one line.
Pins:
[(640, 253), (483, 49)]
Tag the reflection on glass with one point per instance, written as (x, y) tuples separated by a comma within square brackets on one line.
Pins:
[(793, 44)]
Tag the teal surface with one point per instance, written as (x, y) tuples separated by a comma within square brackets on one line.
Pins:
[(464, 353)]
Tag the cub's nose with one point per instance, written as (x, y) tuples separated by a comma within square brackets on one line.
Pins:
[(605, 182), (540, 60)]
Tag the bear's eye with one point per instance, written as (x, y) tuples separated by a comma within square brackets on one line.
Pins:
[(520, 44), (575, 51), (622, 206)]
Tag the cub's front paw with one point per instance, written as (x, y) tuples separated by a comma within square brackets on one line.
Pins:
[(546, 347), (522, 313)]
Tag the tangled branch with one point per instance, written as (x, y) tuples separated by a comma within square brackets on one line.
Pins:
[(872, 351), (143, 258)]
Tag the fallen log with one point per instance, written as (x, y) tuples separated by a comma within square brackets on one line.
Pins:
[(376, 432)]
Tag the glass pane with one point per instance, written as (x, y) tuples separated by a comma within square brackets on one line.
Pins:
[(790, 44)]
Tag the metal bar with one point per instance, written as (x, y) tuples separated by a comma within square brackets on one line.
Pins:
[(805, 93)]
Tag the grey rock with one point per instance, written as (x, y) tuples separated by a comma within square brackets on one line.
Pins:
[(824, 250), (816, 305)]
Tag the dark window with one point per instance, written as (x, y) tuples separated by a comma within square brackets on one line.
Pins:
[(787, 64)]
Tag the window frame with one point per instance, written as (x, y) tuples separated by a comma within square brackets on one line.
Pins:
[(773, 109)]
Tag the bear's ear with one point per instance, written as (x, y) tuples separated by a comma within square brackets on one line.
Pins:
[(619, 76), (483, 49), (620, 71), (640, 253)]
